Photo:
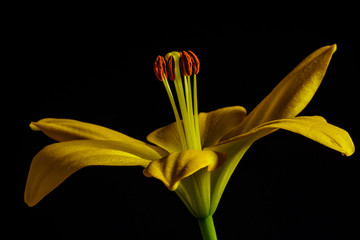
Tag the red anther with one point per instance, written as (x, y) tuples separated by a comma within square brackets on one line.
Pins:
[(171, 68), (185, 63), (195, 62), (160, 68)]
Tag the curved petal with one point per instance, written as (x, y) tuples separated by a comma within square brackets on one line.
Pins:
[(216, 124), (315, 128), (213, 126), (293, 93), (68, 129), (178, 165), (56, 162), (166, 137)]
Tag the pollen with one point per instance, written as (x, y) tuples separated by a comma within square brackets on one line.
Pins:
[(171, 68), (195, 62), (160, 68), (185, 64)]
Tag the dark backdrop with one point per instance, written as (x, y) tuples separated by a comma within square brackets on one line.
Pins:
[(96, 66)]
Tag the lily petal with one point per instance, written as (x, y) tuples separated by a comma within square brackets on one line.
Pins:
[(178, 165), (293, 93), (216, 124), (315, 128), (68, 129), (213, 125), (56, 162), (166, 137)]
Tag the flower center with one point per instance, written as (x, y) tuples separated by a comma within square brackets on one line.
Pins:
[(181, 68)]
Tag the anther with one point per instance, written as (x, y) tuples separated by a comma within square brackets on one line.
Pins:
[(185, 63), (171, 68), (160, 68), (195, 62)]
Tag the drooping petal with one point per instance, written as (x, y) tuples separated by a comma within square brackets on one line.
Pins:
[(178, 165), (315, 128), (293, 93), (213, 126), (56, 162), (68, 129)]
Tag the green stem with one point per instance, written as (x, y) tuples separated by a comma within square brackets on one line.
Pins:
[(207, 228)]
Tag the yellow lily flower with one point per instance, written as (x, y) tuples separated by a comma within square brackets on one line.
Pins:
[(196, 155)]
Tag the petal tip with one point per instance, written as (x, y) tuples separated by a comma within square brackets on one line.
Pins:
[(327, 52), (33, 126), (172, 186), (30, 203), (147, 173), (221, 157), (334, 47), (28, 199), (350, 151)]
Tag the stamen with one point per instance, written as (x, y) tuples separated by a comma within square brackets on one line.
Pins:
[(171, 68), (185, 63), (195, 62), (181, 68), (160, 68)]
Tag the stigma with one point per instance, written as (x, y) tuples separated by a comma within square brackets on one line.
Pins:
[(182, 68)]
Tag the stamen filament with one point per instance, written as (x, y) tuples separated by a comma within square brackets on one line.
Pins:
[(183, 108), (191, 106), (189, 111), (176, 113), (196, 112)]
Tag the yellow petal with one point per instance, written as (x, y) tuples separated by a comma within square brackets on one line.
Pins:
[(166, 137), (216, 124), (68, 129), (293, 93), (178, 165), (213, 126), (56, 162), (315, 128)]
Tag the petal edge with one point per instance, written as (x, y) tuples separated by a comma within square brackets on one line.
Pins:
[(67, 129), (56, 162), (315, 128), (293, 93)]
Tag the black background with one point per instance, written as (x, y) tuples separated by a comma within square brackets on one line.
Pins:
[(95, 65)]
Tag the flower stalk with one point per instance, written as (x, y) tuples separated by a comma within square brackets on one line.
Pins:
[(207, 228)]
